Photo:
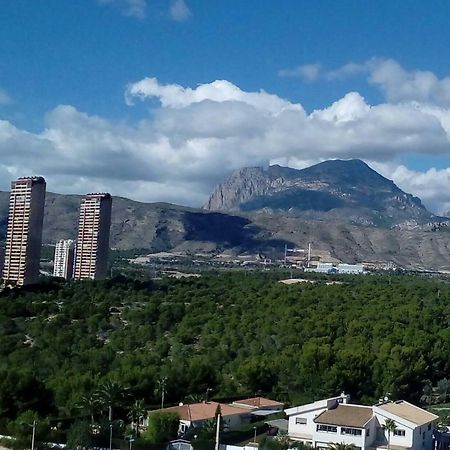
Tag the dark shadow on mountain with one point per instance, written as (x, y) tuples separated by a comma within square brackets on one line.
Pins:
[(228, 231), (300, 199)]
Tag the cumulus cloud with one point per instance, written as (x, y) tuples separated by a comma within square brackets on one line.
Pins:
[(398, 84), (130, 8), (179, 11), (195, 136)]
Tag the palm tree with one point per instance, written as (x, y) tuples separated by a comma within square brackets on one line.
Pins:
[(161, 389), (136, 414), (390, 426), (90, 404), (110, 395), (342, 446)]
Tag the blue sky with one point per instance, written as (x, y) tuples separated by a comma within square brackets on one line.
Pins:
[(65, 67)]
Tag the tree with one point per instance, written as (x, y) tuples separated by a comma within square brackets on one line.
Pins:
[(442, 388), (110, 395), (89, 404), (136, 414), (342, 446), (162, 426), (390, 426), (427, 394), (79, 436), (161, 389)]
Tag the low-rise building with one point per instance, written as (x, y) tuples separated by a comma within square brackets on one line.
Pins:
[(196, 414), (335, 420)]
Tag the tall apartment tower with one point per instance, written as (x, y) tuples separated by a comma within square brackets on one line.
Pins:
[(64, 259), (91, 260), (24, 235)]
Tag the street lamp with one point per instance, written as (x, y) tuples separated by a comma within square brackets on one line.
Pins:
[(254, 438), (131, 440)]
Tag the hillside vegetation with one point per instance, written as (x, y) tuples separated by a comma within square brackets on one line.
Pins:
[(235, 333)]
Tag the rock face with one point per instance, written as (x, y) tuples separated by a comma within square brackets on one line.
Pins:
[(339, 190)]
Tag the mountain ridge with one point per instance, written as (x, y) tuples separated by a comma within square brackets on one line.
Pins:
[(160, 226), (319, 192)]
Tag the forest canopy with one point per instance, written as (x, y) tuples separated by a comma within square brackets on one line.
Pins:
[(233, 334)]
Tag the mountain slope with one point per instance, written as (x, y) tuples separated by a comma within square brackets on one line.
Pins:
[(155, 226), (340, 190)]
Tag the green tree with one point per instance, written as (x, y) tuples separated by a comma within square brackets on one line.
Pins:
[(342, 446), (110, 395), (79, 436), (89, 404), (162, 426), (136, 413)]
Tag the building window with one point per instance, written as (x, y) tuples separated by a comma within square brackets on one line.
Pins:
[(429, 426), (368, 432), (399, 432), (327, 428), (351, 431), (300, 421)]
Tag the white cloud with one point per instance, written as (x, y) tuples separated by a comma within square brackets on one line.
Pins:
[(176, 96), (196, 136), (396, 83), (130, 8), (179, 11), (307, 72)]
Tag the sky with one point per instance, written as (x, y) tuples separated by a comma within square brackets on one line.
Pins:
[(160, 100)]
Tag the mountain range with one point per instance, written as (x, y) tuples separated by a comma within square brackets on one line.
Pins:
[(344, 208)]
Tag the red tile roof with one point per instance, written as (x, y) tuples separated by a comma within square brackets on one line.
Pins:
[(202, 411)]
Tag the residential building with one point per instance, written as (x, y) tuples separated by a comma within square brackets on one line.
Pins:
[(64, 259), (91, 260), (233, 415), (24, 234), (334, 420), (196, 414)]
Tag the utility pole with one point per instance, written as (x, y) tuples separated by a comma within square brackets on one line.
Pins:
[(33, 435), (218, 430), (110, 426), (162, 388)]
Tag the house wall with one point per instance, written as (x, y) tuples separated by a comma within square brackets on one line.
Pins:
[(324, 439), (306, 429), (423, 438), (403, 441)]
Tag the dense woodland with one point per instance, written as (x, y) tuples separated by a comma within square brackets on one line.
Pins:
[(235, 333)]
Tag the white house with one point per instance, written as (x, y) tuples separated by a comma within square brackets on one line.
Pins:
[(334, 420), (414, 425)]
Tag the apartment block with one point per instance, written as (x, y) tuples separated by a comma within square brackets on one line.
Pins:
[(91, 260), (64, 259), (24, 234)]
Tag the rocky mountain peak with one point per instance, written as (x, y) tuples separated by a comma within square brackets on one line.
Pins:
[(344, 189)]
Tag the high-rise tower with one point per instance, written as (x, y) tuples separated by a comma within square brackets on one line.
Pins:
[(64, 259), (24, 235), (91, 260)]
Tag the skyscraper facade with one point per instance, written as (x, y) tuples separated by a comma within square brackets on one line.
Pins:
[(24, 235), (64, 259), (91, 260)]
